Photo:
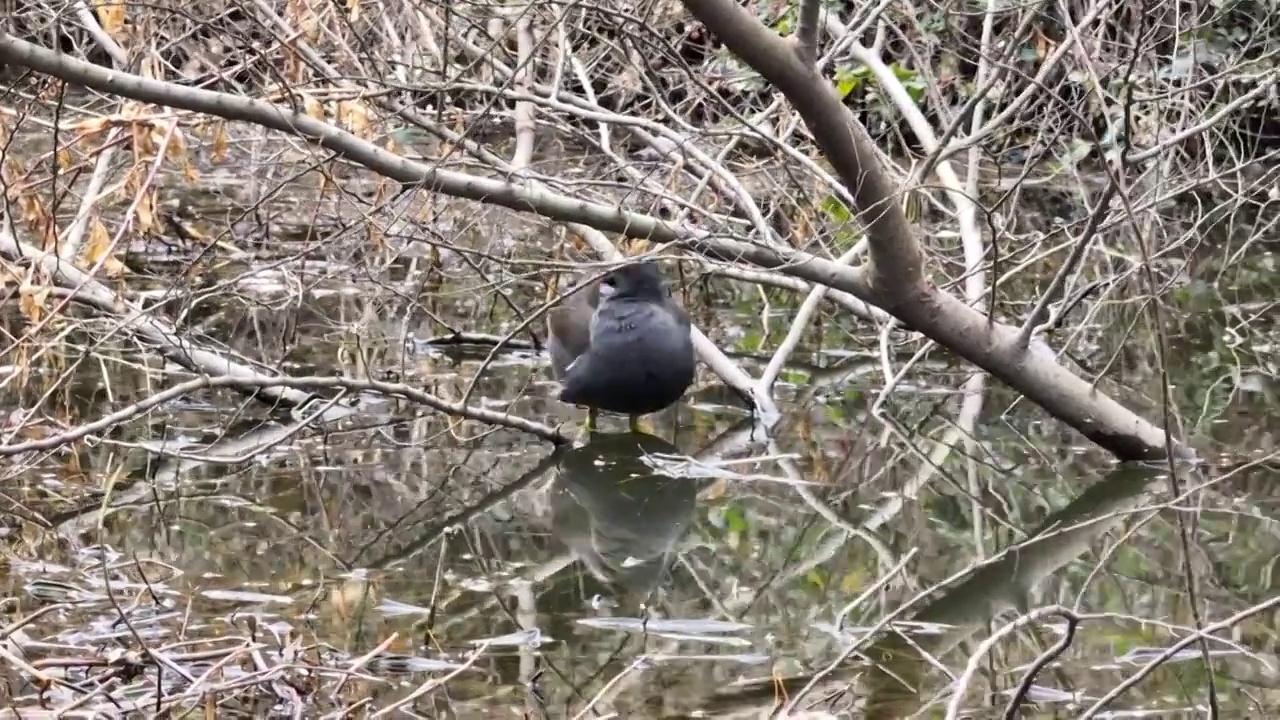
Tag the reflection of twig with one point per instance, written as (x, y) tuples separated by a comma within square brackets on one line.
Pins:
[(1173, 650), (799, 323), (433, 684), (1045, 658), (309, 382), (429, 533), (470, 338), (975, 660), (22, 622), (364, 660), (874, 587), (637, 664)]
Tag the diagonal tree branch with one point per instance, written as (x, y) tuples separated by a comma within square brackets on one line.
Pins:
[(897, 282)]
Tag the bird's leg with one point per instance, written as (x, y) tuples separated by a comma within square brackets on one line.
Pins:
[(639, 426), (592, 413)]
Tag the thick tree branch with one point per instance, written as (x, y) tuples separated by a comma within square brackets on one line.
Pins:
[(897, 282), (896, 258), (807, 31)]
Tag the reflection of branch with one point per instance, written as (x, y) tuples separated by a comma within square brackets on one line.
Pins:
[(980, 654), (262, 382), (434, 683), (430, 533), (640, 663), (1048, 656), (798, 325), (1172, 650)]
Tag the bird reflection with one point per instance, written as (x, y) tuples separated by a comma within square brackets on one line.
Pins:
[(622, 519)]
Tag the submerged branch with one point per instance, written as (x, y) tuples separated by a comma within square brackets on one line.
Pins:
[(261, 382)]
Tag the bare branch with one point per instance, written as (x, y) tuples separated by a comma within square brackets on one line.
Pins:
[(807, 31)]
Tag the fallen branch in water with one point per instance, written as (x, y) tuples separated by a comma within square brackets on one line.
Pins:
[(217, 370), (263, 382), (140, 322)]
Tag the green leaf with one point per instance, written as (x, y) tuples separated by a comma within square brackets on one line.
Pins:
[(835, 209)]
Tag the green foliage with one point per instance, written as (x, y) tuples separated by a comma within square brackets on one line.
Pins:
[(752, 340), (850, 79), (835, 209), (840, 217), (794, 377)]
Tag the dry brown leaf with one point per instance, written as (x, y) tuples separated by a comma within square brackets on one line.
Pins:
[(637, 246), (294, 69), (353, 10), (312, 107), (131, 185), (98, 248), (717, 489), (171, 142), (151, 68), (427, 214), (177, 152), (14, 166), (299, 11), (32, 211), (131, 110), (382, 193), (146, 211), (90, 130), (142, 147), (356, 117), (64, 158), (349, 597), (31, 302), (111, 17), (220, 143)]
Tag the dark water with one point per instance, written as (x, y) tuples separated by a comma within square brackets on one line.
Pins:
[(621, 576), (251, 565)]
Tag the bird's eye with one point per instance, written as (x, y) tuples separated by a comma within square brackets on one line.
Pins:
[(608, 286)]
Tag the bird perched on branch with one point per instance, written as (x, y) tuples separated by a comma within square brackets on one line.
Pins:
[(621, 345)]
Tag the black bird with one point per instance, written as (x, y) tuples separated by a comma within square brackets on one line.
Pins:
[(621, 345)]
